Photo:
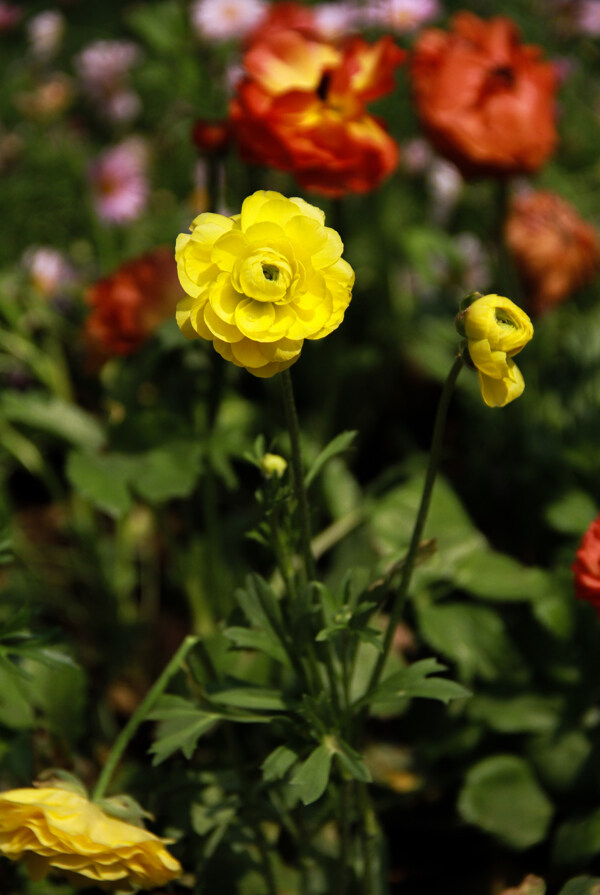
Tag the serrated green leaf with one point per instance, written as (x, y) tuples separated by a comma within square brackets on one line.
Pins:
[(353, 762), (337, 445), (502, 796), (413, 682), (263, 641), (247, 697), (311, 778), (277, 764), (181, 725)]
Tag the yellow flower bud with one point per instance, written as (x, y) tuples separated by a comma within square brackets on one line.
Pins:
[(261, 282), (273, 465), (56, 828), (496, 329)]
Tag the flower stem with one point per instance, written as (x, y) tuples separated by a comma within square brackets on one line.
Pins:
[(432, 468), (291, 417), (139, 715)]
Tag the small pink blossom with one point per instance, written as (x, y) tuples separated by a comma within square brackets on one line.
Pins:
[(226, 19), (103, 68), (49, 269), (10, 16), (119, 181), (46, 32), (588, 18), (402, 16), (335, 20)]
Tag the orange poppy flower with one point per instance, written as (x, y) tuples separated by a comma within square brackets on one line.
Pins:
[(486, 101), (555, 250), (131, 303), (302, 108)]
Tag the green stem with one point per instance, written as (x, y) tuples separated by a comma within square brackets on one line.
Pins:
[(139, 715), (342, 879), (369, 831), (291, 417), (409, 564)]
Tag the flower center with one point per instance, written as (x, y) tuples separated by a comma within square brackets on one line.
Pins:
[(270, 272), (503, 319)]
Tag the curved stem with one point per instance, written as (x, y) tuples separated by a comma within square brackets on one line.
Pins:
[(432, 468), (291, 417), (139, 715)]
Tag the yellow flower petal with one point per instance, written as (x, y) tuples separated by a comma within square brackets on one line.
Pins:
[(499, 392)]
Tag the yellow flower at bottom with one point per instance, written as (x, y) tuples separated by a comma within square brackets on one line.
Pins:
[(55, 828), (261, 282), (496, 329)]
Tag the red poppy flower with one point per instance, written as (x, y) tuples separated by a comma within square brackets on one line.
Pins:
[(302, 108), (486, 101), (128, 305), (555, 250), (586, 567)]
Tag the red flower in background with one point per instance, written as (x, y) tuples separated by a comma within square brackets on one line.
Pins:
[(302, 108), (486, 101), (586, 567), (212, 137), (555, 250), (131, 303)]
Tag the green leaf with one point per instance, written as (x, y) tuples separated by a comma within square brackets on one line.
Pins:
[(57, 688), (16, 710), (474, 637), (101, 479), (181, 725), (502, 796), (312, 777), (162, 26), (559, 758), (263, 641), (529, 713), (577, 841), (494, 576), (337, 445), (582, 885), (167, 472), (247, 697), (414, 682), (259, 604), (277, 764), (54, 416), (572, 513)]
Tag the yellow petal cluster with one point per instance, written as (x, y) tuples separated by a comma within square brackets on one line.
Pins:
[(496, 329), (261, 282), (56, 828)]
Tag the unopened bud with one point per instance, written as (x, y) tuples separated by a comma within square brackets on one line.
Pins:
[(273, 465)]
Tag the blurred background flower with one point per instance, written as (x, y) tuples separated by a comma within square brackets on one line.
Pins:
[(401, 16), (226, 19), (131, 303), (46, 31), (119, 181), (555, 250), (486, 101), (103, 68)]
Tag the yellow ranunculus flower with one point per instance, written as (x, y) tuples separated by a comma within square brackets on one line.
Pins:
[(496, 329), (261, 282), (51, 827)]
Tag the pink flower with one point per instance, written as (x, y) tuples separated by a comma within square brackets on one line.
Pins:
[(588, 18), (119, 182), (335, 20), (45, 32), (226, 19), (103, 68), (402, 16), (9, 16), (49, 269)]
